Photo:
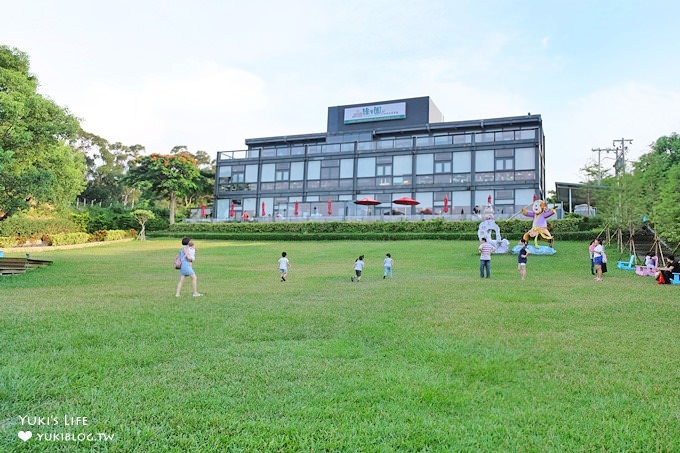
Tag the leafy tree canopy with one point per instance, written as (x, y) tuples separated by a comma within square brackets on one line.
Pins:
[(168, 176), (37, 164)]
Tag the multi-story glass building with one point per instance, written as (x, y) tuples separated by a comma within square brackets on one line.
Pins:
[(386, 151)]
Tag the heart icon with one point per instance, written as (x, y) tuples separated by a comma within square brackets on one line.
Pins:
[(25, 435)]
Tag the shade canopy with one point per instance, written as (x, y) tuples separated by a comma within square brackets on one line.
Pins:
[(367, 202), (406, 201)]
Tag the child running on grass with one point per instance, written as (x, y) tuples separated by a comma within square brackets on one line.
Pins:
[(522, 259), (284, 264), (388, 265), (358, 267)]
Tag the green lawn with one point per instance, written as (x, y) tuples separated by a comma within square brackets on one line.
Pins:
[(435, 359)]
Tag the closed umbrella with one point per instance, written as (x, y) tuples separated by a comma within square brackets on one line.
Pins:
[(296, 211), (262, 211), (203, 210), (446, 204), (330, 207), (232, 210)]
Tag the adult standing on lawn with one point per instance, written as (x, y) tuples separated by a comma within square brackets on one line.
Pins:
[(187, 254), (598, 258), (485, 250)]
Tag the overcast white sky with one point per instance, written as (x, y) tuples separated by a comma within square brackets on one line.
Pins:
[(209, 74)]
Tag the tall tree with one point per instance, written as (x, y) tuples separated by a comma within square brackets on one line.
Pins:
[(167, 176), (107, 164), (653, 167), (667, 211), (37, 163)]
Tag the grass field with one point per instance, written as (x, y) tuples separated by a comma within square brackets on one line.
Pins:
[(435, 359)]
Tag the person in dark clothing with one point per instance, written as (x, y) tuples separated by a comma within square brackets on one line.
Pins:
[(673, 267)]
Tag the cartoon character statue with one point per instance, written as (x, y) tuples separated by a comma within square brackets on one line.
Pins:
[(540, 212), (489, 225)]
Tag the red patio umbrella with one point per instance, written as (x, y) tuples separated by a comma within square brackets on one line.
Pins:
[(263, 212), (330, 207), (203, 210), (446, 204), (406, 201), (367, 202), (297, 208), (232, 211)]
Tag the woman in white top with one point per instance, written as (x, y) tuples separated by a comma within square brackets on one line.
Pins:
[(598, 257)]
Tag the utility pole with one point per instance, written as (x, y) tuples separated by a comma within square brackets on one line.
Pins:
[(599, 152), (620, 149)]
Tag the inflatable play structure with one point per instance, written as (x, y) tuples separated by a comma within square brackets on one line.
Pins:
[(489, 226)]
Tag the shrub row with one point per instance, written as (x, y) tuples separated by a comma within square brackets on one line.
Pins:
[(507, 227), (319, 236), (23, 226), (70, 238)]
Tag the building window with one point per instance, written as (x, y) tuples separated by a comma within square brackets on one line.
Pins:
[(297, 171), (403, 165), (251, 173), (268, 172), (383, 170), (313, 169), (442, 167), (504, 164), (366, 167), (484, 161), (462, 162), (424, 164), (330, 173), (525, 158), (347, 168), (282, 175)]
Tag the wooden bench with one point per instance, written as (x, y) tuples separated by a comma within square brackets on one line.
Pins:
[(14, 266)]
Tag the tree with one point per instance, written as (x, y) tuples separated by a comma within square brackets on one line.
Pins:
[(107, 164), (167, 176), (652, 170), (142, 216), (37, 163), (667, 211)]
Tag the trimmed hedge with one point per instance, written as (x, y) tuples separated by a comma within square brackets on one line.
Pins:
[(319, 236), (69, 238), (507, 227), (72, 238)]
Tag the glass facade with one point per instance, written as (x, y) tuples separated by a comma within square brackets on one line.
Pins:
[(449, 168)]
